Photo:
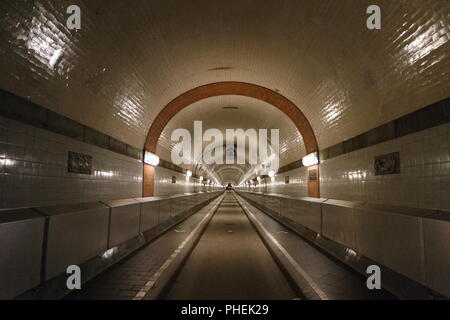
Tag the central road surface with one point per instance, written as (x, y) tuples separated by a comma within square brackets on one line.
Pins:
[(230, 262)]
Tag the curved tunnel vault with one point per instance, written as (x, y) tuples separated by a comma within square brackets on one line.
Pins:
[(230, 88), (79, 105)]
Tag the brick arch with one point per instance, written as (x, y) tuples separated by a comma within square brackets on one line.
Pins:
[(230, 88)]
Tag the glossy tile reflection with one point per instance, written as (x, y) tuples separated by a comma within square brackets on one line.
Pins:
[(321, 57), (33, 170), (239, 149)]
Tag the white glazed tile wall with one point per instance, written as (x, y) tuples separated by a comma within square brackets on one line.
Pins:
[(33, 169), (297, 187), (165, 187), (423, 182)]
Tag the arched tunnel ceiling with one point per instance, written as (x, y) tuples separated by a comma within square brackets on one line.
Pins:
[(221, 113), (133, 57), (215, 112), (231, 173)]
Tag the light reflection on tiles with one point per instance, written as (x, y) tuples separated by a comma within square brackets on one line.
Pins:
[(424, 181), (165, 187), (336, 74), (35, 170)]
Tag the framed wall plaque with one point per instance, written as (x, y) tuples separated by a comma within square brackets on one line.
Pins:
[(79, 163), (387, 164), (312, 175)]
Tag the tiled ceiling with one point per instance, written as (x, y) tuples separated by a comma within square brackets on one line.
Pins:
[(131, 58), (231, 173), (229, 112)]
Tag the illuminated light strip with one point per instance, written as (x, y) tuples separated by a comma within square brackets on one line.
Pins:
[(310, 159), (294, 263), (151, 282), (151, 159)]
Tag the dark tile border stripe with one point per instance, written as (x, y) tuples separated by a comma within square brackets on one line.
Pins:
[(291, 166), (22, 110), (173, 167), (425, 118), (170, 166)]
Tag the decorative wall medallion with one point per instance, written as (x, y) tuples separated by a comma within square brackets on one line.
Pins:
[(387, 164), (79, 163)]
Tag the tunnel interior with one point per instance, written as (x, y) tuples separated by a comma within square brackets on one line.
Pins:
[(233, 112), (278, 150)]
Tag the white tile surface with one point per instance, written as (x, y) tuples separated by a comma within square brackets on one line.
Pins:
[(297, 187), (33, 169), (423, 181), (319, 54), (165, 187)]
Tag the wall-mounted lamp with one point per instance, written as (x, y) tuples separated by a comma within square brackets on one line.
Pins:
[(151, 159), (272, 174), (188, 173), (310, 159), (201, 178), (258, 178)]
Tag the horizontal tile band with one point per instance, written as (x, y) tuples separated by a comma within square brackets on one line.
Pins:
[(425, 118), (22, 110), (428, 117), (291, 166), (173, 167), (170, 166)]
